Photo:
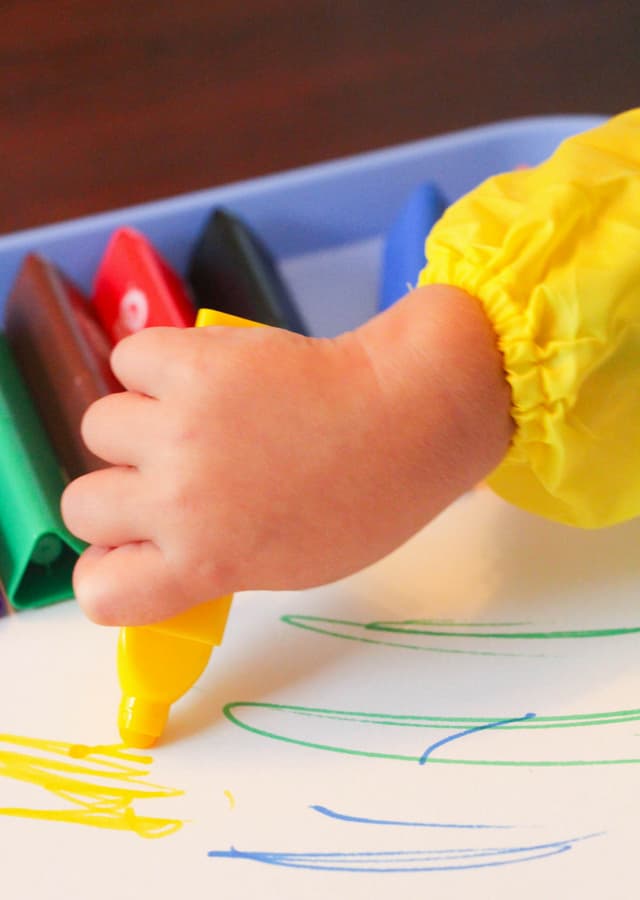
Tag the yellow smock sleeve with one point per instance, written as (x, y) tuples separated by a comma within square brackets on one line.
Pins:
[(553, 255)]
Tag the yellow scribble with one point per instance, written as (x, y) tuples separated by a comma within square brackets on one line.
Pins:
[(100, 784), (230, 798)]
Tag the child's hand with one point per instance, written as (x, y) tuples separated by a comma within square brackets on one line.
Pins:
[(259, 459)]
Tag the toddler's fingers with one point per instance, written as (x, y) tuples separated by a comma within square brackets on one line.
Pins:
[(107, 507), (128, 585), (144, 361), (120, 427)]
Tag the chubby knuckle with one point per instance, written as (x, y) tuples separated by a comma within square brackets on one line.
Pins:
[(189, 365), (208, 571), (182, 428), (176, 497), (179, 372)]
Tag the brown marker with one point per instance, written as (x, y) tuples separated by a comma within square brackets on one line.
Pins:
[(63, 356)]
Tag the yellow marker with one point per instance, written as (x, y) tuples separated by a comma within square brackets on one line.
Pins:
[(158, 663)]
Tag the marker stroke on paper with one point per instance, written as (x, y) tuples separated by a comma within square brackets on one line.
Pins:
[(436, 635), (100, 784), (400, 823), (560, 740), (396, 861), (474, 730)]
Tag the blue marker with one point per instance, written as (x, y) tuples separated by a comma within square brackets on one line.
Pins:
[(404, 256)]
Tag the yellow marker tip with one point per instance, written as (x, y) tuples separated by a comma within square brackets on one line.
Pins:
[(136, 739), (141, 721)]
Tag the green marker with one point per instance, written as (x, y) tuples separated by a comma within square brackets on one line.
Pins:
[(37, 553), (47, 550)]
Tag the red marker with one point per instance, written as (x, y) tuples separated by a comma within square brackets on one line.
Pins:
[(135, 288)]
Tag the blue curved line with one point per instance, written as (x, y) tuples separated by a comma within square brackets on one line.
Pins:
[(454, 737), (363, 820), (396, 861)]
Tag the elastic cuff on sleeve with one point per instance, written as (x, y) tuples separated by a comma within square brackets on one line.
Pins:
[(553, 255)]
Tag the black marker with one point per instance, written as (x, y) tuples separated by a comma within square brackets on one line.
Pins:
[(233, 271)]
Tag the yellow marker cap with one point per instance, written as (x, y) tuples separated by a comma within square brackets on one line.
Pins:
[(157, 664), (214, 317)]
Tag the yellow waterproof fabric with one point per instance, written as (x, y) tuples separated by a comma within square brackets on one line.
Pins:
[(553, 254)]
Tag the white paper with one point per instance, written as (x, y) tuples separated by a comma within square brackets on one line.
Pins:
[(393, 665)]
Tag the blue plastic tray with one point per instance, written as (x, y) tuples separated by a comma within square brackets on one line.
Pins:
[(324, 223)]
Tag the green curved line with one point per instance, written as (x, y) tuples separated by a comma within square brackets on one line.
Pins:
[(454, 622), (434, 628), (462, 723), (393, 719), (585, 719), (300, 621), (431, 628)]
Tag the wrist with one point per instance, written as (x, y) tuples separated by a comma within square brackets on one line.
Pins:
[(441, 379)]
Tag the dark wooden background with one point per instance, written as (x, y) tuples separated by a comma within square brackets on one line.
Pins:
[(106, 103)]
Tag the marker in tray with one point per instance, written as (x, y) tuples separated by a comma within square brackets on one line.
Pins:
[(37, 553), (232, 269), (62, 354), (136, 288), (403, 254)]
